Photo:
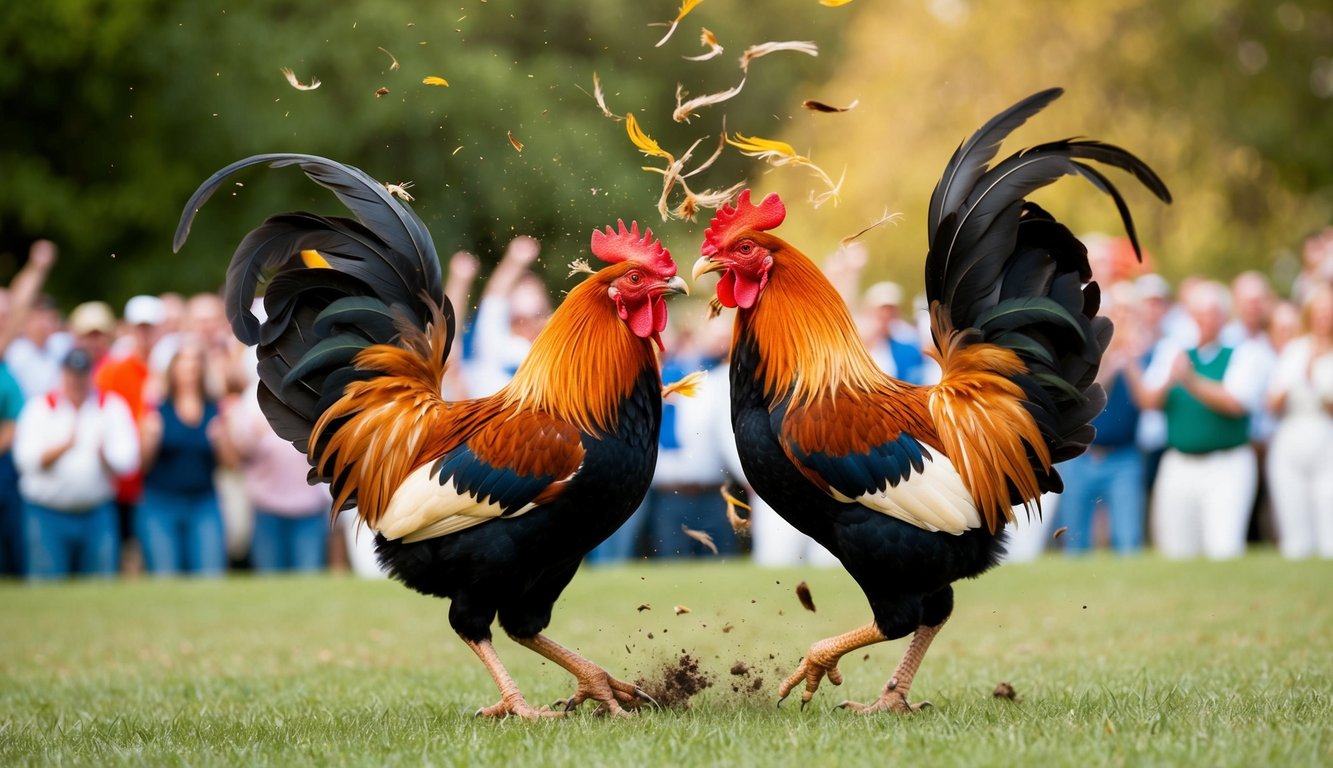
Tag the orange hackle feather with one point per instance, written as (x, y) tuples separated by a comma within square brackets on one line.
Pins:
[(809, 344), (585, 361), (399, 420), (388, 419), (808, 341)]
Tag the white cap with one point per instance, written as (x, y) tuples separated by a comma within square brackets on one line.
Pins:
[(92, 317), (885, 294), (145, 310), (1152, 286)]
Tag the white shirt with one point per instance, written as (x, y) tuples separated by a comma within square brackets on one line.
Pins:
[(80, 479), (496, 350), (37, 369), (1308, 389), (700, 457)]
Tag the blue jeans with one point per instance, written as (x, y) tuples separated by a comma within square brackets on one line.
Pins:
[(1112, 475), (62, 543), (702, 510), (283, 543), (181, 532)]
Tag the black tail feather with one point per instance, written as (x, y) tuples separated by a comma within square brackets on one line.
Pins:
[(369, 275), (969, 160), (1004, 266)]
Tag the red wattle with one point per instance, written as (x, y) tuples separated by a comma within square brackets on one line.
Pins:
[(745, 293), (726, 288)]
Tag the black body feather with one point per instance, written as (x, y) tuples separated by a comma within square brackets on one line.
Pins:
[(517, 570)]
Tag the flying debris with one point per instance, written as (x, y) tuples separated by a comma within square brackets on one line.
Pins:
[(819, 106), (685, 7), (297, 84)]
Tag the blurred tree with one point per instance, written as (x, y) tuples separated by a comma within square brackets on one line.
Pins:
[(1231, 102), (111, 113), (114, 112)]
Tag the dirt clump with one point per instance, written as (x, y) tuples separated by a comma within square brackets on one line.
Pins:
[(677, 681), (749, 682), (803, 594)]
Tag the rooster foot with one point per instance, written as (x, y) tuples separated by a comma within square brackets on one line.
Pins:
[(516, 706), (820, 661), (889, 701), (614, 697)]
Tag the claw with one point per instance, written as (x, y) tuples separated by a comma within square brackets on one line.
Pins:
[(814, 668), (566, 705), (517, 708), (889, 701), (642, 694), (610, 695)]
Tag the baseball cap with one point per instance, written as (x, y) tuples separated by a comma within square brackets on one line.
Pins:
[(885, 294), (145, 310), (78, 360), (92, 316), (1152, 286)]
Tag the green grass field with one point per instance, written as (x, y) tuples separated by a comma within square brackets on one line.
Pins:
[(1115, 662)]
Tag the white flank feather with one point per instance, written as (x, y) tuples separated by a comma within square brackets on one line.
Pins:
[(423, 508), (934, 499)]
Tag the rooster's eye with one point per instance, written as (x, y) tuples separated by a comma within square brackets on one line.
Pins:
[(745, 248), (635, 277)]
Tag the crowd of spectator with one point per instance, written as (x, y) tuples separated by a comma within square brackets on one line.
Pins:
[(134, 443)]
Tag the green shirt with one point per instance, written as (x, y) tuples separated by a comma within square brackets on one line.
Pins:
[(1191, 426)]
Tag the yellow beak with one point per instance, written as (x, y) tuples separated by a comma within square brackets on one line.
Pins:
[(704, 265)]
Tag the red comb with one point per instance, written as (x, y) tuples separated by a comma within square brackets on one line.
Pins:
[(743, 216), (626, 245)]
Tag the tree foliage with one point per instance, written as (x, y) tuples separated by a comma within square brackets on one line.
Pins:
[(111, 113), (1231, 102), (114, 112)]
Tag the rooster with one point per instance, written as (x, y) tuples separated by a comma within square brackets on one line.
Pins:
[(910, 486), (490, 502)]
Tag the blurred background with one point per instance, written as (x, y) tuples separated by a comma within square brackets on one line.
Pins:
[(111, 114)]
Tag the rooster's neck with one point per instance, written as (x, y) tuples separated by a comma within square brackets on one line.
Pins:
[(583, 365), (807, 340)]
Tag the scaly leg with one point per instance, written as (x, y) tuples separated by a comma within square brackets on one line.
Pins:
[(511, 699), (593, 682), (822, 659), (894, 696)]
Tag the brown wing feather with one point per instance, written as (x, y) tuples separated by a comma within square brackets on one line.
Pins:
[(532, 444)]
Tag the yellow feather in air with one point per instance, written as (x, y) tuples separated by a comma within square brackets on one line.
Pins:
[(686, 386), (643, 141)]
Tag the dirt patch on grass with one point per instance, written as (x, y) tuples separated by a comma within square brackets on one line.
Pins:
[(676, 681)]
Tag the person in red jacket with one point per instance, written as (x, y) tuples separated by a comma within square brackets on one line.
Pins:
[(127, 374)]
